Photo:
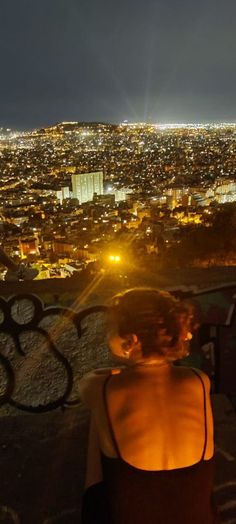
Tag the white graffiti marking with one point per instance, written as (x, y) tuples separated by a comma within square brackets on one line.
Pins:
[(65, 513), (225, 485), (225, 454), (6, 511), (228, 505)]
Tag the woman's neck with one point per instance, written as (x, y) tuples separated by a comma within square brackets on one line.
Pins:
[(150, 362)]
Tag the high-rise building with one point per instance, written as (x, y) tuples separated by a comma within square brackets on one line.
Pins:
[(84, 185), (226, 192), (63, 194)]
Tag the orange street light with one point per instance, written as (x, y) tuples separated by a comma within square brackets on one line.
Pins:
[(114, 258)]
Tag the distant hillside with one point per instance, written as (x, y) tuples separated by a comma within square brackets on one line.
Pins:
[(63, 127)]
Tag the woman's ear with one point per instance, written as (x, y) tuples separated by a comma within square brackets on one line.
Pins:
[(130, 341), (131, 347)]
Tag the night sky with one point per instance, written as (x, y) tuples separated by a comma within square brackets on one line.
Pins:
[(106, 60)]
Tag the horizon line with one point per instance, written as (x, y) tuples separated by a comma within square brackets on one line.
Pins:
[(124, 122)]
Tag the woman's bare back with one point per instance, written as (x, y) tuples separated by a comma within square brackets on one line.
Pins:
[(157, 414)]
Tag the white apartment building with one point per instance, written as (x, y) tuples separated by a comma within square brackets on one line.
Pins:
[(84, 185)]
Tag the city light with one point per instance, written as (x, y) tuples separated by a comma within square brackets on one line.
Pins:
[(114, 258), (95, 191)]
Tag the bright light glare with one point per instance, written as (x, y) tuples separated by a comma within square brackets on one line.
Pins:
[(114, 258)]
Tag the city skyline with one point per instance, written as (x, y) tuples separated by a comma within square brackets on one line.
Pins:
[(158, 62), (71, 192), (158, 125)]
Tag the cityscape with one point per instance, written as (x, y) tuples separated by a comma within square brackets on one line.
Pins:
[(76, 196)]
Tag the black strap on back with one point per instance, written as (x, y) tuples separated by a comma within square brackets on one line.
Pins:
[(115, 444), (205, 417)]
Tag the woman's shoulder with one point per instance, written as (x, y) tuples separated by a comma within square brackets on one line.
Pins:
[(193, 375), (92, 384)]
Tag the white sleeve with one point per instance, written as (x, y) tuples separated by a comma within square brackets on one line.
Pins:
[(90, 383)]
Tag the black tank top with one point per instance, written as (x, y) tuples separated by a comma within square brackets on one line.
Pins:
[(177, 496)]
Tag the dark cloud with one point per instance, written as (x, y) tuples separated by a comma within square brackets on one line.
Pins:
[(109, 60)]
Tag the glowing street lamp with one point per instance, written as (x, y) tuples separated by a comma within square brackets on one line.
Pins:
[(114, 259)]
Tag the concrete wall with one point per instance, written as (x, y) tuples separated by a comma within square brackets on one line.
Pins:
[(45, 351)]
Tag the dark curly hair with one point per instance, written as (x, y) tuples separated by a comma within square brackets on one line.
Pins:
[(162, 323)]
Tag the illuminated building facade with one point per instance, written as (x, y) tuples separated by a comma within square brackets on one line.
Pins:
[(28, 246), (226, 192), (85, 185), (63, 194)]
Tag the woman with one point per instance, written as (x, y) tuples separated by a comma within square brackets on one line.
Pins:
[(153, 419)]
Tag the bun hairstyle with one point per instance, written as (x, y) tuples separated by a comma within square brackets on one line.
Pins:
[(162, 323)]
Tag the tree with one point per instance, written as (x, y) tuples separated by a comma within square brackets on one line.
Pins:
[(214, 243)]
